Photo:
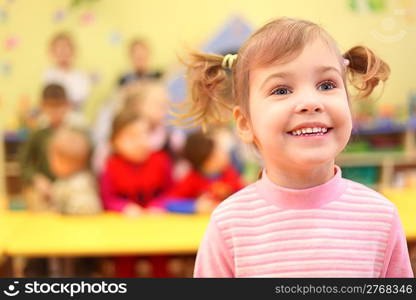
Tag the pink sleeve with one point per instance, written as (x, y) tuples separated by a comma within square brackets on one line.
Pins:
[(397, 261), (111, 201), (214, 258)]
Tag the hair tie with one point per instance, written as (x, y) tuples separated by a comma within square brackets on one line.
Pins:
[(228, 61)]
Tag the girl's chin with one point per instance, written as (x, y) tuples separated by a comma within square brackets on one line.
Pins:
[(313, 159)]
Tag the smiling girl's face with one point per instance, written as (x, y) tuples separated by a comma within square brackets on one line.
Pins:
[(299, 110)]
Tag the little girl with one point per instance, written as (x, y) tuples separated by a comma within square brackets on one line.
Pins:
[(287, 88)]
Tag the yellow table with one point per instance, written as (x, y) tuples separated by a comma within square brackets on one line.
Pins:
[(34, 234), (106, 234), (405, 201), (8, 224), (25, 234)]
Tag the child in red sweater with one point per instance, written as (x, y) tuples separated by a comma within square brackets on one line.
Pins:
[(133, 177), (211, 179)]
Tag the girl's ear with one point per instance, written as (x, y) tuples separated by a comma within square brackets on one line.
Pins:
[(243, 126)]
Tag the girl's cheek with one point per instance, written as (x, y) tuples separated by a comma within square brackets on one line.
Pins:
[(348, 116)]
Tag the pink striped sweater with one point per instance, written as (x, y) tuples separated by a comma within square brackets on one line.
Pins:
[(338, 229)]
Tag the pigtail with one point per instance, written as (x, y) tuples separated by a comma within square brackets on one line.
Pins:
[(365, 70), (210, 98)]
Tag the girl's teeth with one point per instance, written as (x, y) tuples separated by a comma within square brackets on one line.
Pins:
[(316, 130)]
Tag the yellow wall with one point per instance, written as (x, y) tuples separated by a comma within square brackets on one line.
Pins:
[(171, 25)]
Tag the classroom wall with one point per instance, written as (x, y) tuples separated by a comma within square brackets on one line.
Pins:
[(103, 27)]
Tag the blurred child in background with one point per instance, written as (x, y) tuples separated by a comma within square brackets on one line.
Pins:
[(150, 99), (139, 54), (75, 190), (35, 169), (134, 176), (76, 83), (212, 178)]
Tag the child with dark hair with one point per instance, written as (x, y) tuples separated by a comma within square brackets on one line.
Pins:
[(36, 174), (212, 178), (35, 170)]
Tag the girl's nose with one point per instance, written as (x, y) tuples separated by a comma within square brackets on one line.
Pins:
[(309, 106)]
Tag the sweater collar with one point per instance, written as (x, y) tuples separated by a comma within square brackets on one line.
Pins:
[(313, 197)]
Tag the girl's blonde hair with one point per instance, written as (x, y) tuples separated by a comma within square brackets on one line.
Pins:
[(214, 90)]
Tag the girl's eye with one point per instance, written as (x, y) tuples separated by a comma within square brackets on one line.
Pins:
[(327, 85), (281, 91)]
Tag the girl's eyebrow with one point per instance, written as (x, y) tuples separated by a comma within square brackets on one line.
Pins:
[(325, 69), (283, 75)]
